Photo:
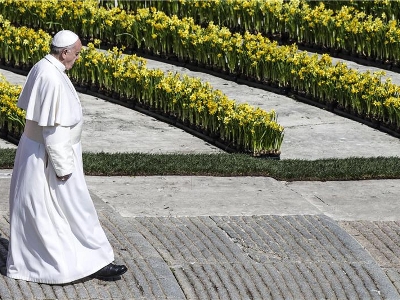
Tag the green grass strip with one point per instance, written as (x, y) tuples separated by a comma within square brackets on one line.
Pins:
[(140, 164)]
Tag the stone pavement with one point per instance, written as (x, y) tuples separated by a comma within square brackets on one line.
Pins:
[(235, 238)]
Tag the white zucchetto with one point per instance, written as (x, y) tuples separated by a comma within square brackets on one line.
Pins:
[(64, 38)]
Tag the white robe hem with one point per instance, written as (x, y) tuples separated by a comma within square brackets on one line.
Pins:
[(64, 281)]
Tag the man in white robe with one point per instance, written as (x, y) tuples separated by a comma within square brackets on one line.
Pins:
[(55, 234)]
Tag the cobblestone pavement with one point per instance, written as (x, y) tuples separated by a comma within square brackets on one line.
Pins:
[(244, 238), (242, 257)]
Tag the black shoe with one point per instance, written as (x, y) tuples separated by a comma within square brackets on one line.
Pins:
[(110, 272)]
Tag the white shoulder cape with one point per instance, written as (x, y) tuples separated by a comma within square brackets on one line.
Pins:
[(48, 96)]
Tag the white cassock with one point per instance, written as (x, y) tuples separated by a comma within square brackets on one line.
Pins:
[(55, 234)]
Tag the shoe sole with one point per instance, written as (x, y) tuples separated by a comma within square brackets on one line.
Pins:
[(109, 278)]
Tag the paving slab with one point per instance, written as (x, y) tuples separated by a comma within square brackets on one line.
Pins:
[(159, 196), (368, 200)]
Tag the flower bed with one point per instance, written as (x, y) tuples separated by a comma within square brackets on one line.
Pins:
[(366, 28), (242, 127), (12, 119), (187, 99), (249, 56)]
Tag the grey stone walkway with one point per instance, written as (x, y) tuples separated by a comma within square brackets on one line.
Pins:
[(234, 238), (242, 257)]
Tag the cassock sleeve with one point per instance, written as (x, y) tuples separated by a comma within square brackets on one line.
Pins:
[(59, 148)]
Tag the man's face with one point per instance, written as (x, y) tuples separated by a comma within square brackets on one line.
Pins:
[(71, 55)]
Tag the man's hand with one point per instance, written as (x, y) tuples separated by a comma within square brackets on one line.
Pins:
[(64, 178)]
